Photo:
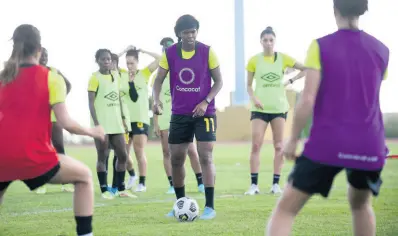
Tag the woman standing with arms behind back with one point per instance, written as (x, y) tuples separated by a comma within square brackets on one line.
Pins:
[(269, 104), (342, 90), (28, 93)]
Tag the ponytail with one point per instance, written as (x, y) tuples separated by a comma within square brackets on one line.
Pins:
[(11, 67)]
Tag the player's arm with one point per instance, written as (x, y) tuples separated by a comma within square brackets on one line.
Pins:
[(92, 91), (159, 79), (154, 64), (67, 83), (251, 69), (292, 63), (215, 72), (306, 102), (133, 91)]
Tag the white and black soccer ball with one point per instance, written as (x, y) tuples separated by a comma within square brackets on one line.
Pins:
[(186, 209)]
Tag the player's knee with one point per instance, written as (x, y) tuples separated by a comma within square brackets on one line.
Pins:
[(166, 155), (256, 146), (205, 157), (178, 160), (278, 146)]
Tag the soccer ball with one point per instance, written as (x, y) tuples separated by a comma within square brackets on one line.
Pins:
[(186, 209)]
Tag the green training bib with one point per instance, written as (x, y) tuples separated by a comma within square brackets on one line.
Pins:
[(139, 110), (125, 96), (107, 105), (269, 85), (165, 98)]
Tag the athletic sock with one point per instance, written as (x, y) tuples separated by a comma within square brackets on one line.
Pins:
[(142, 180), (84, 225), (114, 179), (254, 177), (132, 173), (209, 193), (102, 178), (170, 181), (199, 178), (180, 192), (276, 179), (120, 180)]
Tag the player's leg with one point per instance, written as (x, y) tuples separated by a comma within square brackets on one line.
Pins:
[(130, 164), (259, 123), (181, 134), (57, 138), (139, 144), (195, 164), (118, 143), (3, 189), (278, 129), (102, 156), (166, 158), (307, 178), (205, 133), (362, 185), (72, 171)]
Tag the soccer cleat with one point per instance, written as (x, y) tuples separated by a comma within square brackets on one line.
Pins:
[(41, 190), (171, 190), (253, 190), (201, 188), (140, 188), (107, 195), (170, 214), (125, 194), (65, 188), (208, 214), (131, 183), (113, 190), (275, 189)]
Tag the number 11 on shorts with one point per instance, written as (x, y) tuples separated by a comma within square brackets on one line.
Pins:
[(209, 123)]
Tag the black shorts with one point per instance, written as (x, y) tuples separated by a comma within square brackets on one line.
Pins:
[(35, 182), (315, 178), (138, 128), (267, 117), (184, 128)]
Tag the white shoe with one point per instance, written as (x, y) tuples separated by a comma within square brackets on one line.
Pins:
[(275, 189), (253, 190), (140, 188), (41, 190), (131, 183)]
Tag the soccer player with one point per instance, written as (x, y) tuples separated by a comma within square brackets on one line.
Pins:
[(139, 113), (342, 91), (192, 66), (127, 89), (161, 127), (57, 136), (26, 152), (106, 109), (269, 104)]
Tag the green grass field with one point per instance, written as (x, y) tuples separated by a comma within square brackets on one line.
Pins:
[(25, 213)]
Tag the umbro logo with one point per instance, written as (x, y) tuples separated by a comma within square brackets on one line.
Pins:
[(270, 77), (113, 96)]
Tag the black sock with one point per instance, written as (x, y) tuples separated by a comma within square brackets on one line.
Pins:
[(209, 193), (114, 180), (254, 177), (276, 179), (131, 173), (199, 178), (180, 192), (103, 182), (84, 224), (120, 180), (170, 181), (142, 180)]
